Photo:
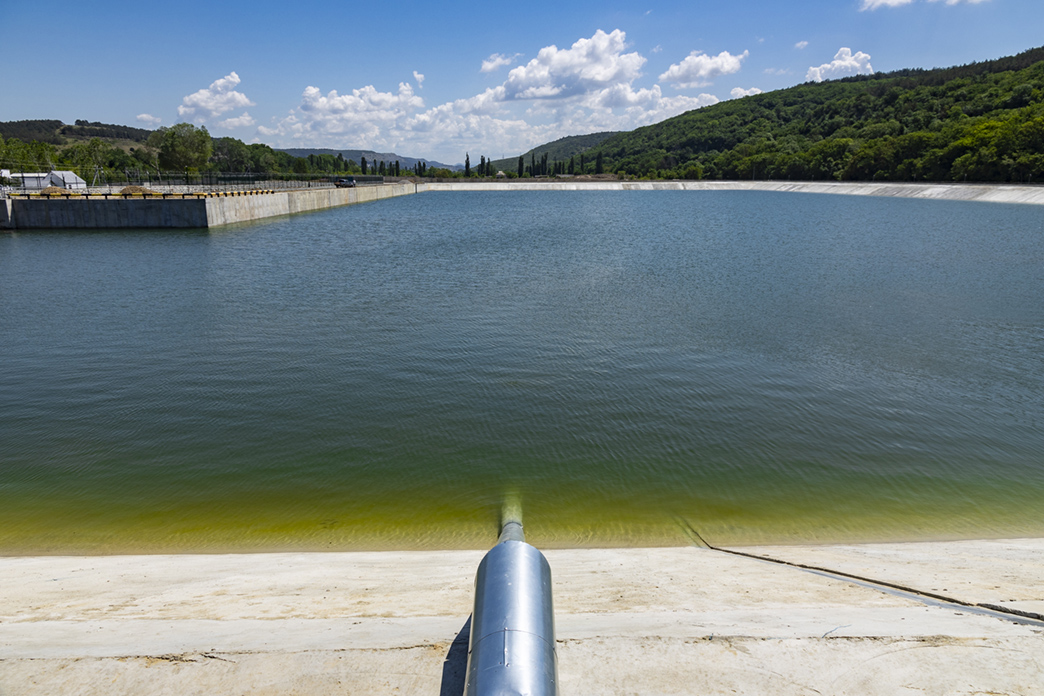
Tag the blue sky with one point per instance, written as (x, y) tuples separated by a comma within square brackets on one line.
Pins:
[(436, 80)]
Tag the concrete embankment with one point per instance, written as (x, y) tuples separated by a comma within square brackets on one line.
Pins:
[(991, 193), (204, 210), (643, 621)]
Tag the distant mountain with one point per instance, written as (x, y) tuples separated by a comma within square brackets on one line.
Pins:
[(557, 151), (371, 156)]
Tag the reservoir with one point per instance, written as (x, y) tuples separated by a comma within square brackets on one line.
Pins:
[(636, 366)]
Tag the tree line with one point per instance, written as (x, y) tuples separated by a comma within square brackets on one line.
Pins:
[(185, 148)]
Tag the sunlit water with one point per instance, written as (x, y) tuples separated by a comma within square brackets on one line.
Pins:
[(756, 367)]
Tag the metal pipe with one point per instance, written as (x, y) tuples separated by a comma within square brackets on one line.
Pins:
[(512, 644)]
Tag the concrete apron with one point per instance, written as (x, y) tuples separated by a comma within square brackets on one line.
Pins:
[(648, 621)]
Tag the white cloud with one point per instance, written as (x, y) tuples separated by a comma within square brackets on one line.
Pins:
[(700, 69), (874, 4), (149, 119), (801, 45), (419, 78), (217, 99), (738, 92), (589, 64), (497, 61), (844, 63), (364, 116), (585, 88), (243, 121)]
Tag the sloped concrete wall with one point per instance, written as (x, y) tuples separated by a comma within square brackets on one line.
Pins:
[(225, 210), (991, 193), (5, 214)]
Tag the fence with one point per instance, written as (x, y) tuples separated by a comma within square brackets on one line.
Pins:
[(20, 183)]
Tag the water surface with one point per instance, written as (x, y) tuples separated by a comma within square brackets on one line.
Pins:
[(758, 367)]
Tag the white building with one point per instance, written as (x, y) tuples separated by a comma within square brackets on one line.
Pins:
[(37, 181)]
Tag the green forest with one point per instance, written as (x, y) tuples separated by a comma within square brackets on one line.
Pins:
[(977, 122), (107, 153)]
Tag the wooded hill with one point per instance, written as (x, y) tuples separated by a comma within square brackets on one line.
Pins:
[(977, 122), (557, 151), (58, 133), (111, 153)]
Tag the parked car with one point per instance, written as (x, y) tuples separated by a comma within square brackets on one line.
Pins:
[(348, 182)]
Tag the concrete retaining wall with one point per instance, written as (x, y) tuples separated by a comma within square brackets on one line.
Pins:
[(211, 210), (5, 214), (992, 193), (224, 210)]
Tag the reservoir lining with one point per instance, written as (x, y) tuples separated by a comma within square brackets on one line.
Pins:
[(213, 210)]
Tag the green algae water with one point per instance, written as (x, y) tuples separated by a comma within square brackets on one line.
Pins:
[(636, 366)]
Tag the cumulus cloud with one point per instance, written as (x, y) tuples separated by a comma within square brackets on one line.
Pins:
[(149, 119), (221, 97), (589, 64), (497, 61), (585, 88), (875, 4), (738, 92), (365, 115), (700, 69), (244, 121), (844, 63), (801, 45), (419, 78)]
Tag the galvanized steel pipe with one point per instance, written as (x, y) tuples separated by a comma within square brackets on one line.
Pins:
[(512, 644)]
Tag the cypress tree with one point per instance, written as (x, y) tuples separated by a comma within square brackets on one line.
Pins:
[(521, 166), (467, 165)]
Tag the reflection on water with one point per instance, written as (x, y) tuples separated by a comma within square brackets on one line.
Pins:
[(763, 367)]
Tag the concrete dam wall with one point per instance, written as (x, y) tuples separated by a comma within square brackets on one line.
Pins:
[(202, 210)]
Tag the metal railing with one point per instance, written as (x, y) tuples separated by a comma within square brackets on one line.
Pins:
[(22, 183)]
